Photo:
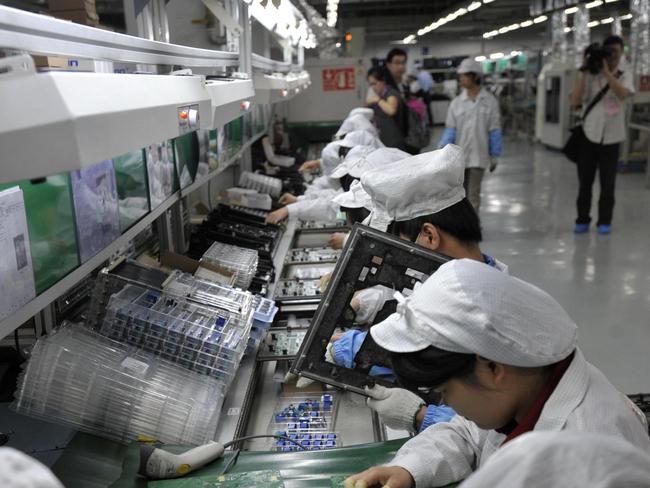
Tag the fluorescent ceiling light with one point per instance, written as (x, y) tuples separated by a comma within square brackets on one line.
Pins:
[(596, 3), (473, 6), (568, 29), (480, 58), (526, 23), (626, 17), (515, 53), (496, 55), (488, 1), (593, 23), (513, 27), (608, 20), (539, 19), (571, 10)]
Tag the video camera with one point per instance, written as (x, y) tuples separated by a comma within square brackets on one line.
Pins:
[(594, 56)]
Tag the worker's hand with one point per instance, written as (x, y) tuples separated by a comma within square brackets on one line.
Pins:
[(384, 476), (494, 161), (337, 240), (277, 216), (309, 166), (397, 408), (368, 302), (324, 281), (288, 198), (606, 70)]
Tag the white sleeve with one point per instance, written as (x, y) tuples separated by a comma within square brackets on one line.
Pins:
[(323, 183), (313, 209), (323, 193), (444, 453), (627, 80)]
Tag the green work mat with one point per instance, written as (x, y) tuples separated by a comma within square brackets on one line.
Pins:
[(297, 469), (266, 479)]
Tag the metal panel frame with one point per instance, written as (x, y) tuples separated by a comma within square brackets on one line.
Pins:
[(36, 33)]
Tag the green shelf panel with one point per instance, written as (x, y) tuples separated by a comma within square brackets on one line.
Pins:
[(186, 155), (234, 135), (132, 190), (51, 223)]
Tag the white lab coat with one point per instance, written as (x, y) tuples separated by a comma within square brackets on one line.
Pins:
[(323, 183), (584, 400), (321, 208), (473, 122)]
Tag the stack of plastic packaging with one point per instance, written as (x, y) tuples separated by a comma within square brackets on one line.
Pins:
[(209, 340), (263, 316), (261, 183), (216, 295), (240, 261), (81, 379)]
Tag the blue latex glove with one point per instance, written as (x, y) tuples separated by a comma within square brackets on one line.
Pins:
[(495, 142), (448, 137), (346, 348), (435, 414)]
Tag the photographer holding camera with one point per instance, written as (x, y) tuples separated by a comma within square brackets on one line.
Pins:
[(602, 88)]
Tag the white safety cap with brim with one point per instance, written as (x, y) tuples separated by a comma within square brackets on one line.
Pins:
[(355, 197), (368, 113), (355, 122), (469, 65), (18, 470), (361, 159), (469, 307), (416, 186), (539, 459), (330, 157)]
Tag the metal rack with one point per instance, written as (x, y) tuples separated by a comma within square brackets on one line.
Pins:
[(58, 121)]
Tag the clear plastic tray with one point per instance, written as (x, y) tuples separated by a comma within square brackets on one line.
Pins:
[(205, 340), (239, 260), (81, 379)]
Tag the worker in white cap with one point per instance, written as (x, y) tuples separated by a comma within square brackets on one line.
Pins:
[(318, 204), (354, 122), (18, 470), (504, 355), (330, 157), (550, 459), (473, 122), (420, 199)]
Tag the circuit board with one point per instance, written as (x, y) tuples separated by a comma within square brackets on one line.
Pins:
[(266, 479), (313, 255), (294, 288), (281, 344)]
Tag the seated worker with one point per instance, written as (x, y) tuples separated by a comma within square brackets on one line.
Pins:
[(504, 355), (316, 203), (359, 161), (539, 459), (436, 216), (355, 122)]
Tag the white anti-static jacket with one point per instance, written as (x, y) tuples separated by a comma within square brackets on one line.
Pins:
[(315, 206), (584, 400)]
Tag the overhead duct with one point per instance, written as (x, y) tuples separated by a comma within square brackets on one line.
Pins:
[(326, 36)]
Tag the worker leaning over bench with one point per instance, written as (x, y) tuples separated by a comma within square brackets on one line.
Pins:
[(504, 355)]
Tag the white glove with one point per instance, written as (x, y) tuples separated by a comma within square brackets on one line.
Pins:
[(371, 301), (305, 382), (397, 408), (494, 161)]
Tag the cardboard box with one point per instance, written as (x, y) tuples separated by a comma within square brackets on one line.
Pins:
[(87, 5), (50, 62), (77, 16), (207, 271)]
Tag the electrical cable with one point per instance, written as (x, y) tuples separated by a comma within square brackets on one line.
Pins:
[(233, 459), (274, 436)]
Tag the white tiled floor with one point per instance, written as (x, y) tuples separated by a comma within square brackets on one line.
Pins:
[(528, 213)]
